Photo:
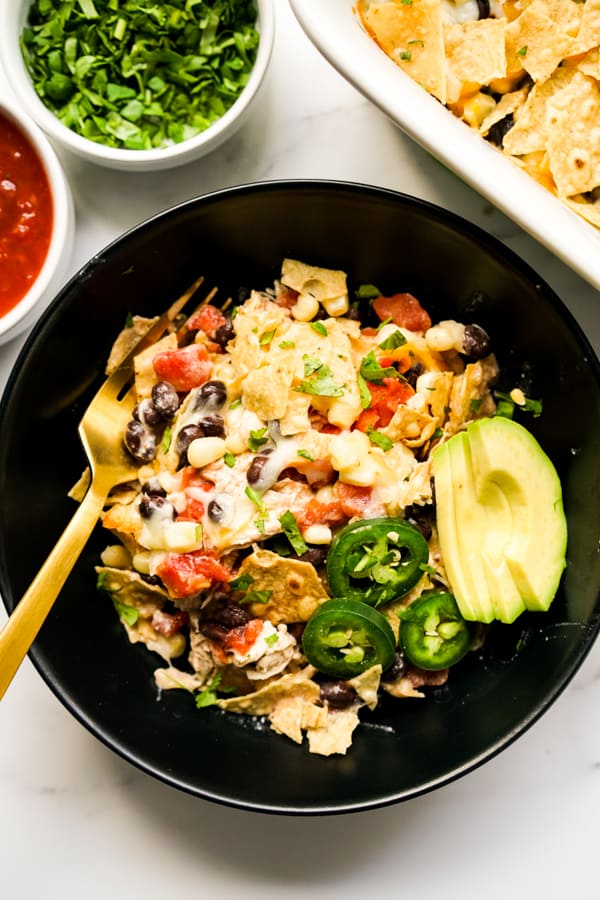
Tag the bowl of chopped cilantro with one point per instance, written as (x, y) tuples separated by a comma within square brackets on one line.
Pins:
[(134, 86)]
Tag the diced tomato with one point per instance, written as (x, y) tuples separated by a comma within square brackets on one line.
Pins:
[(354, 500), (287, 298), (403, 310), (191, 477), (185, 368), (168, 623), (208, 319), (369, 332), (385, 400), (318, 513), (184, 574), (242, 638), (193, 512)]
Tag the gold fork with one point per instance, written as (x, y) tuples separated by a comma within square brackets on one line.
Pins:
[(101, 432)]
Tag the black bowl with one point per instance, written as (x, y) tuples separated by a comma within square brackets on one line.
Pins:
[(238, 237)]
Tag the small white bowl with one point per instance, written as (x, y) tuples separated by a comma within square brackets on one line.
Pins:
[(13, 16), (334, 29), (54, 269)]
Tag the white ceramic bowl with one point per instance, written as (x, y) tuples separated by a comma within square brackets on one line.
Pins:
[(54, 269), (335, 30), (13, 15)]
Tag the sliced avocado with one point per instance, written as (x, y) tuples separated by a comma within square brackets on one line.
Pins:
[(459, 532), (502, 497), (511, 459), (448, 534)]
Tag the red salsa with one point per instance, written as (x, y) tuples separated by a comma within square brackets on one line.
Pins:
[(25, 215)]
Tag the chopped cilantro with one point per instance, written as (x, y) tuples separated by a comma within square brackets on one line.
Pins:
[(306, 455), (272, 639), (322, 384), (406, 55), (287, 345), (506, 405), (427, 568), (267, 337), (235, 403), (256, 499), (379, 439), (364, 392), (229, 459), (367, 292), (522, 51), (292, 532), (417, 42), (372, 371), (319, 328), (242, 582), (208, 696), (166, 439), (393, 341), (128, 614), (475, 403), (139, 75), (257, 439)]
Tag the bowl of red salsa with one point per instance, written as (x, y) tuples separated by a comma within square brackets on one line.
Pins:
[(36, 222)]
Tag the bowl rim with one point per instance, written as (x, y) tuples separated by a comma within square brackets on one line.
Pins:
[(210, 138), (61, 238), (85, 717)]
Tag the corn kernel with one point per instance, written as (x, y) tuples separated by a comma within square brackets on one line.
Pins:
[(116, 556), (141, 562), (317, 534), (204, 451), (336, 306), (305, 308)]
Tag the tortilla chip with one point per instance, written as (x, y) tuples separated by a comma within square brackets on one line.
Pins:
[(265, 391), (296, 589), (536, 42), (585, 208), (324, 284), (475, 55), (470, 392), (127, 340), (528, 134), (588, 35), (573, 128), (411, 35), (537, 167), (508, 105), (366, 685), (336, 734), (590, 64), (264, 701), (292, 715)]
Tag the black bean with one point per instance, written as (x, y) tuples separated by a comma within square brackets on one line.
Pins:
[(413, 373), (254, 472), (337, 694), (420, 517), (211, 396), (146, 412), (315, 555), (476, 342), (224, 333), (165, 399), (212, 425), (184, 438), (483, 8), (153, 489), (151, 579), (215, 511), (140, 442), (231, 615), (500, 129), (213, 631), (396, 670), (154, 503)]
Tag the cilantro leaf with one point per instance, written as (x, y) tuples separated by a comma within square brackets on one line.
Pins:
[(128, 614), (319, 328), (318, 380), (292, 532), (257, 439), (371, 370), (379, 439), (393, 341)]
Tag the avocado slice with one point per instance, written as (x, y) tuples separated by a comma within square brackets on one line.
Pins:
[(459, 534), (511, 460), (500, 519)]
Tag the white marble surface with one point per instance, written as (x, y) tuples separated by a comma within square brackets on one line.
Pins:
[(78, 822)]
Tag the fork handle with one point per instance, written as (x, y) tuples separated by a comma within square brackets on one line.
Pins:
[(27, 618)]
